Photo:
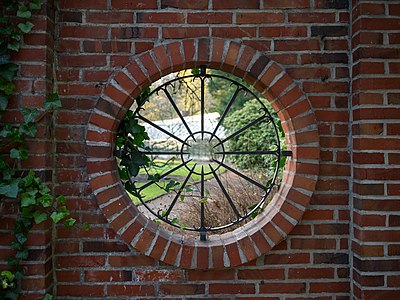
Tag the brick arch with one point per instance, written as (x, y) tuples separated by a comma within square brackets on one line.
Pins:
[(252, 239)]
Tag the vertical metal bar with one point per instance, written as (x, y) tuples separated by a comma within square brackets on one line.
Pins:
[(202, 107), (203, 236)]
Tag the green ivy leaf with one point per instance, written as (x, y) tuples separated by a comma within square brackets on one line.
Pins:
[(48, 297), (46, 200), (28, 179), (43, 189), (12, 261), (8, 275), (28, 198), (16, 246), (16, 36), (60, 200), (171, 185), (29, 129), (25, 27), (39, 216), (27, 214), (58, 216), (123, 174), (139, 159), (8, 71), (86, 226), (20, 153), (6, 87), (52, 102), (23, 254), (14, 46), (3, 101), (6, 31), (280, 128), (5, 58), (30, 114), (14, 153), (196, 71), (130, 188), (143, 97), (69, 223), (154, 177), (133, 169), (23, 12), (21, 238), (282, 161), (11, 189), (35, 5)]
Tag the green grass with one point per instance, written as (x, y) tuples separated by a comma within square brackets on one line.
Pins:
[(149, 192), (155, 190), (181, 172)]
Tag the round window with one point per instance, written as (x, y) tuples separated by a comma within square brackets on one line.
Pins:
[(201, 151), (189, 173)]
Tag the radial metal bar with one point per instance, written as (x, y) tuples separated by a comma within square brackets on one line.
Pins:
[(225, 193), (163, 153), (242, 175), (162, 129), (286, 153), (228, 106), (178, 111), (241, 130), (179, 192), (203, 236), (163, 175), (249, 152)]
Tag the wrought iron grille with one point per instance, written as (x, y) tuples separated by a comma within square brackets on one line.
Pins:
[(200, 151)]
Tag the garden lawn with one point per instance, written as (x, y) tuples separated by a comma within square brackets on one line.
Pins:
[(156, 190)]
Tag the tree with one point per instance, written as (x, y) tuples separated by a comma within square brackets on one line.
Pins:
[(222, 90)]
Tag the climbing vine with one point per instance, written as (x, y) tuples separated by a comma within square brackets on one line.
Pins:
[(35, 200)]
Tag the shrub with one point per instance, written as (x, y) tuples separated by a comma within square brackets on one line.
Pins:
[(260, 136)]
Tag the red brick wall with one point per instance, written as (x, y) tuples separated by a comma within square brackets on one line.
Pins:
[(376, 144), (310, 40)]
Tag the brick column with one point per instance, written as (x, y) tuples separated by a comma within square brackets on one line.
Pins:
[(33, 83), (376, 144)]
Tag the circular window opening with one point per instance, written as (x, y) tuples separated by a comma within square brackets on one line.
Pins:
[(201, 152)]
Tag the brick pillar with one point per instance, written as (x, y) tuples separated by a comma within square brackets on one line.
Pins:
[(376, 145), (33, 83)]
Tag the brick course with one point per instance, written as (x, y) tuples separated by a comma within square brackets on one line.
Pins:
[(328, 67)]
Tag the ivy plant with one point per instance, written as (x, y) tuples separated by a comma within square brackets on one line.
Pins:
[(35, 200)]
